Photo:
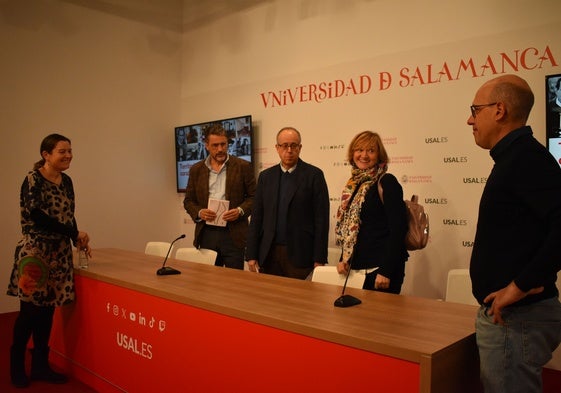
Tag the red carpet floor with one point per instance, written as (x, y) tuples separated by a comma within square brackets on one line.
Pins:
[(6, 327)]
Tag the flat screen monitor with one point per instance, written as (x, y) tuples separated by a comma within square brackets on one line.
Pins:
[(190, 144), (553, 115)]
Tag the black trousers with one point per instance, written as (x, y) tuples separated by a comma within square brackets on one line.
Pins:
[(278, 264), (219, 239), (36, 321)]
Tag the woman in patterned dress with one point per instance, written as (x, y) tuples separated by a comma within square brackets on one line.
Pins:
[(42, 276)]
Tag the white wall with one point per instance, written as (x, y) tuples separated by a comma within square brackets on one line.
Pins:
[(109, 79)]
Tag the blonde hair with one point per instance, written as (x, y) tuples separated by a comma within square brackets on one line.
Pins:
[(367, 139)]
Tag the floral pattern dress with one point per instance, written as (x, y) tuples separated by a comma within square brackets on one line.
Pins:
[(43, 269)]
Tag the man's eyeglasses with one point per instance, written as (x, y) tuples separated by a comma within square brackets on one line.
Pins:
[(475, 108), (292, 146)]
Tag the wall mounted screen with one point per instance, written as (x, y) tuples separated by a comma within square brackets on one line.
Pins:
[(190, 144), (553, 115)]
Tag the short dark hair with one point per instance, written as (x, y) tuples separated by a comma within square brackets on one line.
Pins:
[(215, 129), (292, 129)]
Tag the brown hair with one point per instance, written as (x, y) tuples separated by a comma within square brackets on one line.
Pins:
[(48, 144)]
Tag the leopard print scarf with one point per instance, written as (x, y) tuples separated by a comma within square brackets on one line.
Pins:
[(348, 214)]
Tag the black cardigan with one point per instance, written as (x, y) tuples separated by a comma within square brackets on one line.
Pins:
[(380, 240)]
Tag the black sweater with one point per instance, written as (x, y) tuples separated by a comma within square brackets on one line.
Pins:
[(519, 224)]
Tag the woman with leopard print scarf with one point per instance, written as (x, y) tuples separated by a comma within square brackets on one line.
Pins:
[(370, 231)]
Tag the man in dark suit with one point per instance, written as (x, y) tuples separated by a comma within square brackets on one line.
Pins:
[(224, 178), (289, 227)]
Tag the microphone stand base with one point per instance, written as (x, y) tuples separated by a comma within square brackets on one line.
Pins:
[(167, 271), (346, 301)]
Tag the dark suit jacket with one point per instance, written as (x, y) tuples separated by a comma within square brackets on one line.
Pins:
[(307, 221), (240, 190)]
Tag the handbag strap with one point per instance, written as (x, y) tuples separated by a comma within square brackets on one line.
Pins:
[(380, 190)]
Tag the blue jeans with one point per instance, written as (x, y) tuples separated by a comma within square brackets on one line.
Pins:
[(512, 356)]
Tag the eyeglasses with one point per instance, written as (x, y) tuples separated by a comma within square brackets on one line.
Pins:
[(292, 146), (475, 108)]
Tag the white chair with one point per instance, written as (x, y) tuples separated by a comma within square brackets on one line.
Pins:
[(159, 249), (458, 287), (328, 275), (333, 255), (192, 254)]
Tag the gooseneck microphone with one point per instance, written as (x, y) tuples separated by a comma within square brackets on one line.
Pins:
[(346, 300), (166, 270)]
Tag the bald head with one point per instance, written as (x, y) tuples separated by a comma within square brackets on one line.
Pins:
[(515, 93), (500, 106)]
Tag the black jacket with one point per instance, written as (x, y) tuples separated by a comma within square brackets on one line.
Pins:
[(307, 219), (381, 237)]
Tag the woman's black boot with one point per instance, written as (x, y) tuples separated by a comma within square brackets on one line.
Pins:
[(17, 367), (40, 369)]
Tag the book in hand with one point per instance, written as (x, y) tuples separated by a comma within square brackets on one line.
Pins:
[(220, 206)]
